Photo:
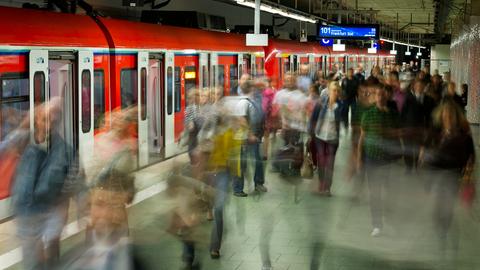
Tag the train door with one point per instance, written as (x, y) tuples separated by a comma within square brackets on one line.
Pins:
[(253, 67), (228, 73), (169, 130), (204, 77), (38, 80), (142, 112), (214, 70), (61, 86), (85, 105), (185, 80), (155, 108)]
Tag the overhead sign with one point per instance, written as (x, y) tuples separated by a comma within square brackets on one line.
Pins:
[(348, 31), (257, 40), (326, 42)]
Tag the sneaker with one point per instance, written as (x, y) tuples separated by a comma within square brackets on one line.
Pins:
[(214, 254), (376, 232), (260, 188), (240, 194)]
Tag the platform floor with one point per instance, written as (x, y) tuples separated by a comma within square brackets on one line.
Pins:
[(286, 229)]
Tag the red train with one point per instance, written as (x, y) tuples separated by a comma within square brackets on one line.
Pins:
[(99, 64)]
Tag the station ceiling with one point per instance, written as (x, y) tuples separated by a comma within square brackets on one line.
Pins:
[(414, 16)]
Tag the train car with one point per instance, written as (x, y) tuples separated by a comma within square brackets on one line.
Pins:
[(96, 65)]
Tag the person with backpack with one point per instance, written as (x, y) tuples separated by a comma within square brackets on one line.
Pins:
[(250, 116)]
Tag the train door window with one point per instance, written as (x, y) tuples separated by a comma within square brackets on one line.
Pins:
[(240, 71), (233, 78), (143, 93), (295, 63), (98, 97), (178, 90), (280, 71), (190, 78), (86, 100), (169, 90), (221, 76), (128, 87), (286, 65), (204, 76), (262, 65), (14, 101), (39, 98)]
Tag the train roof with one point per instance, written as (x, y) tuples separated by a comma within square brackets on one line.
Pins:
[(127, 34), (25, 27)]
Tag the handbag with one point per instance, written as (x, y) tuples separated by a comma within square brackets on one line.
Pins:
[(467, 190), (307, 167)]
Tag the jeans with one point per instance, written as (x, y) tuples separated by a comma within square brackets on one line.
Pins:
[(325, 162), (221, 185), (188, 252), (251, 149), (378, 176)]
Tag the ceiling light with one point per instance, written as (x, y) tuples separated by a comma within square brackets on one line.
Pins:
[(401, 43), (275, 10), (408, 53)]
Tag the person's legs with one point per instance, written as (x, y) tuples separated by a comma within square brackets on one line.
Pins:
[(221, 185), (259, 177), (446, 191), (321, 161), (56, 220), (29, 231), (238, 180), (188, 255), (375, 176), (331, 150)]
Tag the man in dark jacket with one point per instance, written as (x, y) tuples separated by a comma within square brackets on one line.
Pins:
[(349, 92), (416, 119)]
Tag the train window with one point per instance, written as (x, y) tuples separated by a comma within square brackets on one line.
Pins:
[(86, 101), (128, 87), (98, 97), (143, 93), (39, 87), (39, 98), (221, 76), (240, 71), (204, 76), (233, 78), (280, 72), (190, 81), (286, 65), (178, 90), (14, 101), (169, 90), (214, 78)]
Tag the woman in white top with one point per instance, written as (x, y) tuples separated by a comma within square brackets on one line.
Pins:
[(325, 131)]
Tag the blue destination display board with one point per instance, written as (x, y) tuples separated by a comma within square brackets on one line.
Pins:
[(351, 31)]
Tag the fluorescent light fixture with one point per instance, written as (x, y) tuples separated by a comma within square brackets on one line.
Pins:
[(394, 52), (408, 53), (275, 10), (401, 43), (419, 54), (372, 50), (338, 47)]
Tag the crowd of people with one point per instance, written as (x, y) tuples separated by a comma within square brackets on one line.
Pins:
[(392, 116)]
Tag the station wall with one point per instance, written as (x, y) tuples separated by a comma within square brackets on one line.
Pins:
[(465, 56), (440, 58)]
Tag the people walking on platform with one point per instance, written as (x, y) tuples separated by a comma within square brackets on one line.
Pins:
[(435, 88), (303, 79), (416, 121), (348, 94), (291, 104), (378, 136), (449, 157), (250, 116), (325, 131), (272, 122)]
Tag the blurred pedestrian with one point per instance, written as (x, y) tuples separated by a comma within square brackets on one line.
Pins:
[(325, 131)]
